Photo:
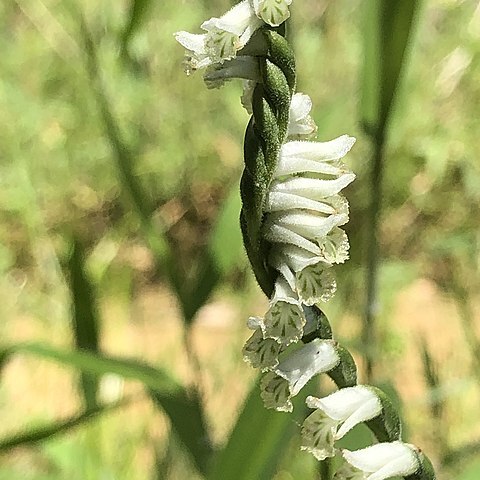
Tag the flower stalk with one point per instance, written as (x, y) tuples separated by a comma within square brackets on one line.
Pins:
[(292, 213)]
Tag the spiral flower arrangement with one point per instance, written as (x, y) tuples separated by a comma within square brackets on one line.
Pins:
[(291, 218)]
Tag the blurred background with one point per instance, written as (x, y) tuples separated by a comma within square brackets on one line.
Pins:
[(124, 287)]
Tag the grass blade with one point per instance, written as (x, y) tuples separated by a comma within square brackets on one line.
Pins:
[(35, 435), (84, 316), (185, 413), (257, 441)]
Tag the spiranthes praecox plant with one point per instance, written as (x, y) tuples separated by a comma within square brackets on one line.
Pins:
[(291, 218)]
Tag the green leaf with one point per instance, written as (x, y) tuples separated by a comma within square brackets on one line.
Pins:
[(190, 425), (166, 391), (387, 31), (84, 316), (257, 442), (38, 434)]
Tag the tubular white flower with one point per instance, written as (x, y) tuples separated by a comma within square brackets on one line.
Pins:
[(240, 67), (384, 460), (319, 151), (335, 416), (313, 188), (301, 124), (224, 38), (284, 320), (291, 375), (273, 12)]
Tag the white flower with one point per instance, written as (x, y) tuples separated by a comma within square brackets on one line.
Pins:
[(261, 352), (306, 272), (273, 12), (224, 38), (335, 416), (300, 122), (304, 210), (382, 461), (245, 67), (290, 376), (196, 56), (284, 320), (318, 157)]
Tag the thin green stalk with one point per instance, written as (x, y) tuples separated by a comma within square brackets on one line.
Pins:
[(372, 261), (325, 469)]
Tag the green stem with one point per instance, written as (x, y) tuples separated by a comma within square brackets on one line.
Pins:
[(372, 261), (325, 469)]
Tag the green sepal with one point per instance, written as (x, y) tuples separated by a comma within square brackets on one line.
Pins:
[(425, 469), (387, 426), (345, 373), (317, 325)]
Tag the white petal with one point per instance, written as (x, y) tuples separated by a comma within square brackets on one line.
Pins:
[(284, 319), (273, 12), (335, 246), (261, 353), (296, 258), (349, 406), (318, 432), (291, 164), (315, 357), (384, 460), (277, 201), (316, 284), (319, 151), (275, 392), (191, 41), (239, 67), (341, 404), (313, 188), (277, 233), (308, 225), (300, 107), (300, 122)]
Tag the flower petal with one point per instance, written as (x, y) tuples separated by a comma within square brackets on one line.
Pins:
[(318, 432), (319, 151), (384, 460)]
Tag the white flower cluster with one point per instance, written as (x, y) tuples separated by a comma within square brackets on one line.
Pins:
[(226, 36), (303, 213), (304, 210)]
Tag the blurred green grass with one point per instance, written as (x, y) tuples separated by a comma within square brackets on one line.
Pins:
[(58, 176)]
